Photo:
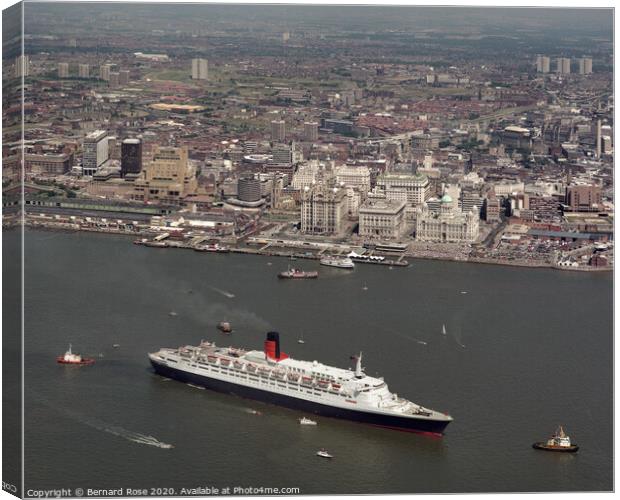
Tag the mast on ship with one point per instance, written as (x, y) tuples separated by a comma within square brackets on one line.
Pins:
[(359, 372)]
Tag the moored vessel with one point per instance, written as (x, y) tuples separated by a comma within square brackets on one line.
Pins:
[(292, 273), (306, 421), (340, 262), (271, 376), (216, 247), (560, 441), (74, 359)]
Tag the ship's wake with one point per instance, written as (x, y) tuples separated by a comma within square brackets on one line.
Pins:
[(100, 425), (135, 437), (196, 386), (230, 295)]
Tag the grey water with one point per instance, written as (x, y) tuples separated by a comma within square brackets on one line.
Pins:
[(524, 351)]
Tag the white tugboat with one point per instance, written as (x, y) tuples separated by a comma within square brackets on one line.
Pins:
[(560, 441)]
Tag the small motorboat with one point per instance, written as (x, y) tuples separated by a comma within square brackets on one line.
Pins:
[(364, 288), (173, 314), (116, 346), (443, 329), (224, 326), (323, 453), (306, 421), (74, 359), (301, 340), (558, 442)]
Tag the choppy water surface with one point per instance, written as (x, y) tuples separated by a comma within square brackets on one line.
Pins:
[(524, 350)]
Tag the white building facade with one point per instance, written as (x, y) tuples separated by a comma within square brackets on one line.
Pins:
[(410, 188), (323, 210), (381, 218), (448, 225)]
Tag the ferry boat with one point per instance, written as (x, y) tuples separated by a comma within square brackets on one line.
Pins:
[(558, 442), (271, 376), (340, 262), (74, 359), (212, 248), (293, 273)]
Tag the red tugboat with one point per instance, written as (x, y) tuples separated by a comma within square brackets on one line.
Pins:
[(74, 359), (293, 273)]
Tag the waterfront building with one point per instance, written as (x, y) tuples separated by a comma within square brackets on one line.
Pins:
[(104, 72), (84, 71), (414, 189), (200, 69), (95, 151), (355, 177), (169, 178), (311, 131), (131, 157), (63, 70), (22, 66), (323, 209), (449, 225), (278, 130), (382, 218)]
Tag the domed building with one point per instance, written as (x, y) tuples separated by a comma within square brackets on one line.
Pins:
[(448, 224)]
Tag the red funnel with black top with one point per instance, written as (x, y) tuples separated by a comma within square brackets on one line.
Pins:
[(272, 347)]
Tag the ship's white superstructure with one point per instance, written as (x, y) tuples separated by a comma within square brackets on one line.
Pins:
[(305, 380)]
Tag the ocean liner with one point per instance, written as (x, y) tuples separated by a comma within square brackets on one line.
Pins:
[(273, 377)]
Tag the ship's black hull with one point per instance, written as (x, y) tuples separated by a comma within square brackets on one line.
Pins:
[(392, 422)]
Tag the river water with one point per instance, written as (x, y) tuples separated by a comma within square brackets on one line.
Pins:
[(524, 351)]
